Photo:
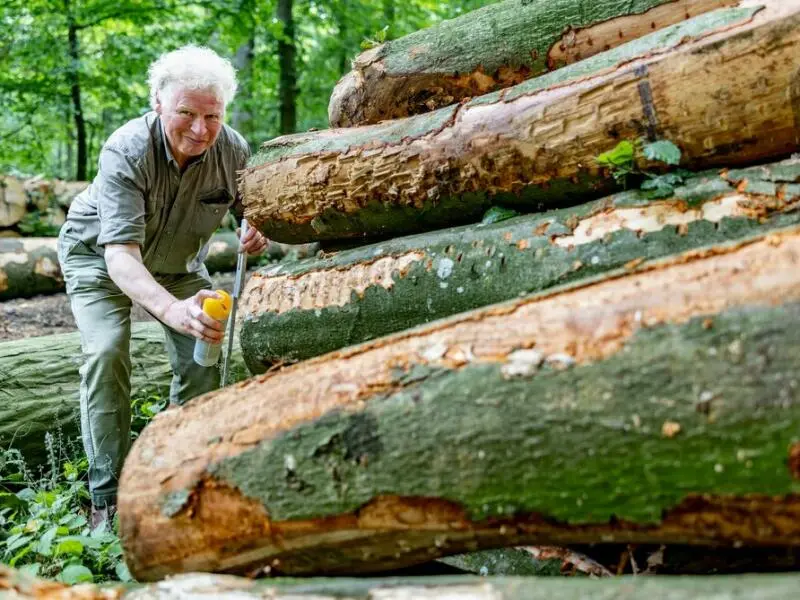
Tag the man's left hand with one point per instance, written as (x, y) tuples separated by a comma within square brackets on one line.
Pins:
[(254, 242)]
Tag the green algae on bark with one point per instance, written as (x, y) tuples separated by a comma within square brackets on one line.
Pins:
[(535, 148), (298, 310), (492, 48)]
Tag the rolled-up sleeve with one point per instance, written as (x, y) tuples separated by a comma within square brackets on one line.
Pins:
[(120, 198)]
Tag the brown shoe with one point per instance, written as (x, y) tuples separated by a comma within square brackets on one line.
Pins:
[(103, 514)]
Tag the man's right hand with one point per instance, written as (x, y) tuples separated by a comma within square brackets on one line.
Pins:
[(187, 316)]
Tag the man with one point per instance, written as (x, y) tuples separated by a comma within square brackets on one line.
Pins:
[(139, 234)]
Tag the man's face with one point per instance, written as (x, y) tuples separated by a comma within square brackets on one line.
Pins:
[(192, 120)]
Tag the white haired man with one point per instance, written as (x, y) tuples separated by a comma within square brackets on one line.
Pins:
[(139, 234)]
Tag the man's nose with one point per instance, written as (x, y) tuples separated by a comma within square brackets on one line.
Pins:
[(199, 127)]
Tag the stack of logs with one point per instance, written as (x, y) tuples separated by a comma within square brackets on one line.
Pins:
[(608, 368)]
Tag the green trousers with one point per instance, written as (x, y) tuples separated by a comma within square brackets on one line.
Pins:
[(103, 316)]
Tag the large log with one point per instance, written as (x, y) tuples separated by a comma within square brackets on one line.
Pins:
[(535, 144), (13, 201), (492, 48), (39, 384), (29, 266), (18, 585), (294, 311), (655, 404)]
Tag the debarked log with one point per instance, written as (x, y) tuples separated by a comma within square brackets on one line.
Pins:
[(294, 311), (534, 145), (201, 585), (657, 404), (29, 266), (39, 384), (492, 48)]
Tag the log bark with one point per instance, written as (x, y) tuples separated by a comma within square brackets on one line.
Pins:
[(655, 404), (29, 266), (201, 585), (534, 145), (39, 384), (297, 310), (490, 49)]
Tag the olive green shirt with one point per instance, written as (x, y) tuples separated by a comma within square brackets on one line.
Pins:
[(139, 196)]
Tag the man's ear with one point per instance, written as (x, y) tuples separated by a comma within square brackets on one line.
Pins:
[(159, 105)]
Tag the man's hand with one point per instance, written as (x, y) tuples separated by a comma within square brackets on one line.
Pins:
[(188, 317), (254, 242)]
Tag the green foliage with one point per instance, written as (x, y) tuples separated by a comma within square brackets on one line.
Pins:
[(622, 162), (378, 38), (44, 517), (37, 224), (496, 213)]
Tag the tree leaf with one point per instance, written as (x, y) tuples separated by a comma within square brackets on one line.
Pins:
[(73, 574), (498, 213), (124, 575), (620, 156), (69, 547), (662, 151)]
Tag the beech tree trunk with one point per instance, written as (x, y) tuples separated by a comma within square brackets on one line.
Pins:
[(202, 585), (297, 310), (654, 404), (39, 383), (534, 145), (29, 266), (493, 48)]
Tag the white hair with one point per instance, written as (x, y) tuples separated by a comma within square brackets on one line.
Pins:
[(191, 67)]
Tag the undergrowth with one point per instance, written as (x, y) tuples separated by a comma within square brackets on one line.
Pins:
[(45, 515)]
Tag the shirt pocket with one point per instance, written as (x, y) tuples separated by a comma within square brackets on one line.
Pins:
[(210, 209)]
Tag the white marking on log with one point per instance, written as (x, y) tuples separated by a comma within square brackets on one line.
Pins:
[(653, 217)]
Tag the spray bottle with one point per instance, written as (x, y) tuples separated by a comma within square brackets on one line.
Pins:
[(206, 354)]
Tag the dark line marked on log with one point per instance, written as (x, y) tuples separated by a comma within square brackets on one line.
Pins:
[(648, 106)]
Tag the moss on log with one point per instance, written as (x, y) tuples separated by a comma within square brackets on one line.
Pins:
[(29, 266), (294, 311), (200, 585), (656, 404), (39, 383), (534, 145), (493, 48)]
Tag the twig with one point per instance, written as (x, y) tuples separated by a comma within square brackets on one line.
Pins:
[(568, 557)]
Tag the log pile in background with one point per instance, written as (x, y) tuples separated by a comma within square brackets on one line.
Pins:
[(534, 144), (48, 198), (492, 48), (646, 394), (294, 311)]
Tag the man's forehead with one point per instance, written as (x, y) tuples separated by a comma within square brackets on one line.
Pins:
[(206, 99)]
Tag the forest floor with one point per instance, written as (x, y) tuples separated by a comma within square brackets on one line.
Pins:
[(50, 314)]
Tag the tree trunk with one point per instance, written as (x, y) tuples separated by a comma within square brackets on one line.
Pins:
[(552, 419), (13, 201), (39, 383), (73, 80), (29, 265), (287, 85), (490, 49), (535, 144), (298, 310), (202, 585)]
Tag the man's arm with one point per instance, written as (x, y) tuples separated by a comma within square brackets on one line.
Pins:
[(126, 269)]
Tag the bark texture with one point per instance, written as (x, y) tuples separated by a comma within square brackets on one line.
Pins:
[(29, 266), (297, 310), (200, 585), (493, 48), (656, 404), (39, 384), (534, 144)]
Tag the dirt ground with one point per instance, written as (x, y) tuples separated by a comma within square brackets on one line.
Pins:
[(46, 315)]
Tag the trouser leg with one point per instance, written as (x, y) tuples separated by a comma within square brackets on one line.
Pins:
[(103, 318), (188, 378)]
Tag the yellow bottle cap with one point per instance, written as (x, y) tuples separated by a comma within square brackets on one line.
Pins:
[(218, 308)]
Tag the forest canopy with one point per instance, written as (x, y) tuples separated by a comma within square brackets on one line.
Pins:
[(75, 70)]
